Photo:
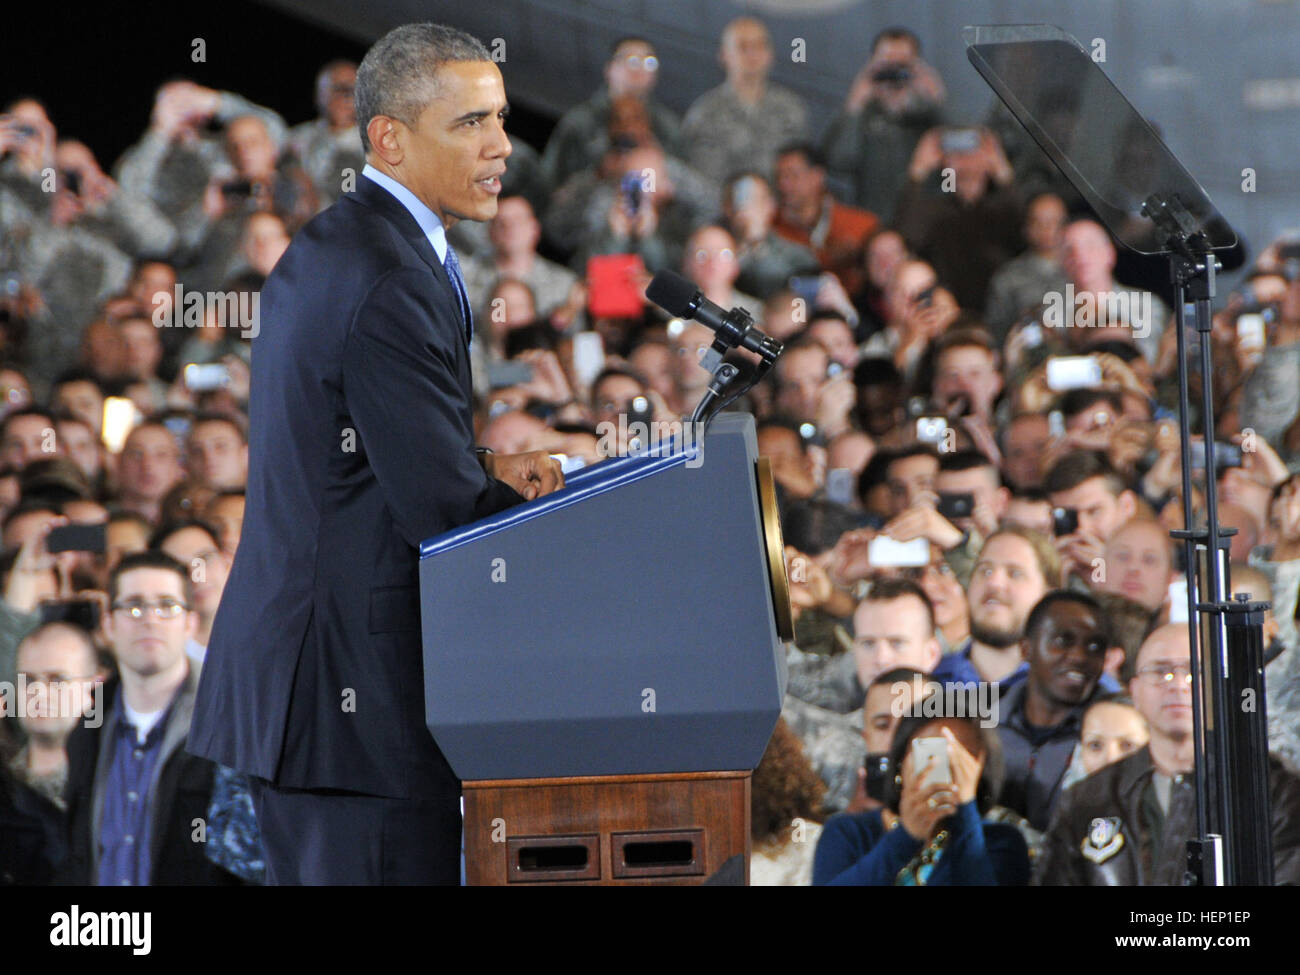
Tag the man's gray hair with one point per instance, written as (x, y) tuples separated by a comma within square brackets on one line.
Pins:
[(397, 77)]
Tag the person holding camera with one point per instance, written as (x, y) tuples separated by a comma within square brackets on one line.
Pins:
[(894, 99), (931, 831)]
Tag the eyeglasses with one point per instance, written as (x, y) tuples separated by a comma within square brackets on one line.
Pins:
[(649, 63), (726, 254), (54, 677), (1157, 676), (163, 609)]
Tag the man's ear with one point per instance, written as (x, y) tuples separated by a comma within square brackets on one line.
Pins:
[(1025, 649), (383, 133), (1114, 661), (1127, 501), (934, 654)]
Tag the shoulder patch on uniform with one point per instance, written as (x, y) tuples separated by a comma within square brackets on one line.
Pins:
[(1104, 839)]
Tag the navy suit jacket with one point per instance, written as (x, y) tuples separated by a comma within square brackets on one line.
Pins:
[(361, 446)]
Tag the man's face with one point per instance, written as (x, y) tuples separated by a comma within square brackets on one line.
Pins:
[(879, 407), (1026, 439), (217, 455), (970, 372), (1161, 686), (1044, 224), (1089, 255), (884, 254), (141, 348), (265, 241), (710, 259), (910, 280), (1067, 653), (879, 720), (340, 97), (149, 645), (791, 466), (909, 478), (835, 336), (81, 399), (1004, 586), (1100, 512), (514, 230), (746, 52), (79, 444), (150, 463), (454, 156), (1026, 513), (24, 438), (802, 375), (1138, 564), (688, 346), (981, 482), (799, 184), (251, 148), (197, 550), (64, 666), (892, 633), (227, 514), (632, 70), (1111, 732)]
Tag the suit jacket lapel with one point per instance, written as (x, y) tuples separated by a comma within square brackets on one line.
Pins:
[(371, 194)]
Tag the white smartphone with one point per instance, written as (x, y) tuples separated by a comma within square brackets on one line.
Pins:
[(1178, 601), (1072, 372), (1250, 332), (887, 552), (923, 749), (588, 357)]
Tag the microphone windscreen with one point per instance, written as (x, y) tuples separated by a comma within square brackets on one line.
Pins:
[(673, 293)]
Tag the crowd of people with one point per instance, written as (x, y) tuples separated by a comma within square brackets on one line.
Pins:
[(976, 491)]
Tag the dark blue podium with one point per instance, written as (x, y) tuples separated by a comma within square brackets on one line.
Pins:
[(608, 640)]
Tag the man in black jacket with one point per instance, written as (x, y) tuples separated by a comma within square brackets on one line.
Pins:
[(1065, 643), (1129, 823), (137, 801)]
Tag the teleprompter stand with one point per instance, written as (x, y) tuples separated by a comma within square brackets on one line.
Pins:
[(1152, 205)]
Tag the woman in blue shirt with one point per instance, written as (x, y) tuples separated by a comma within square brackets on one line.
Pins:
[(930, 832)]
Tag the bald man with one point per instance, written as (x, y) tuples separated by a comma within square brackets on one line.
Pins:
[(1129, 823), (741, 123)]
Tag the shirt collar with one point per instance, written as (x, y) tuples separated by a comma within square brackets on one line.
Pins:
[(426, 218)]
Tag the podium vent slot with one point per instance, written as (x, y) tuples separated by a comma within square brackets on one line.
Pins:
[(672, 853), (534, 858), (551, 858), (658, 853)]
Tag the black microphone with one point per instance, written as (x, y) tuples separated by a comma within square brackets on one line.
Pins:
[(682, 299)]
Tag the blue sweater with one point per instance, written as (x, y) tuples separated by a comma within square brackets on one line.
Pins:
[(855, 849)]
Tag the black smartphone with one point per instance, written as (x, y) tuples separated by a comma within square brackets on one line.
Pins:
[(1065, 521), (953, 506), (880, 777), (77, 538), (1225, 455), (79, 612)]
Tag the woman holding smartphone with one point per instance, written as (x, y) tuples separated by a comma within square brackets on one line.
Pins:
[(932, 830)]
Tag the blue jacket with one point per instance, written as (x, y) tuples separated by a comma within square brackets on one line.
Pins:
[(361, 446), (855, 849)]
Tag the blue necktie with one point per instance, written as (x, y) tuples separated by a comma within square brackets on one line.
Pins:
[(462, 294)]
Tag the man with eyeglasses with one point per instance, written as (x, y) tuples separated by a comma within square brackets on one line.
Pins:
[(580, 139), (1129, 823), (329, 144), (136, 798)]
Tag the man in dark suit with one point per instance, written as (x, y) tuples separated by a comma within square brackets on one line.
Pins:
[(362, 446)]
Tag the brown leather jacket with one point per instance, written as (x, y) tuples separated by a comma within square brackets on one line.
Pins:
[(1097, 838)]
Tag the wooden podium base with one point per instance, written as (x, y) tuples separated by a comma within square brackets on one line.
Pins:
[(614, 830)]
